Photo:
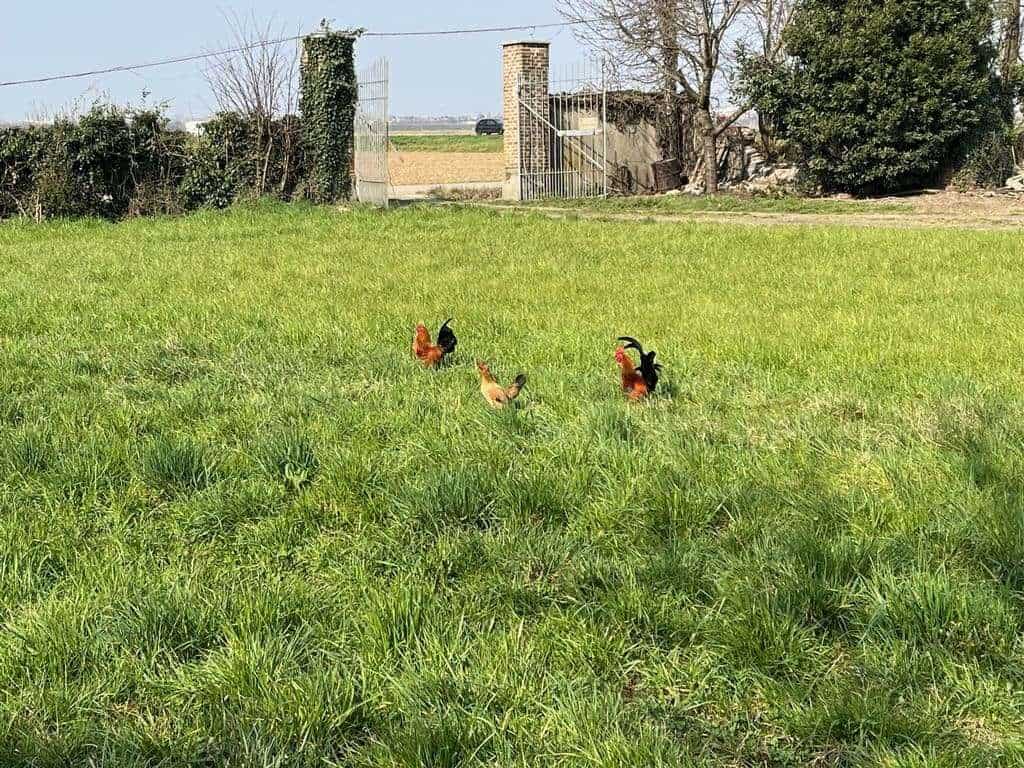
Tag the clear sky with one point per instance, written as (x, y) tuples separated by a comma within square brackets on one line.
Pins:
[(430, 76)]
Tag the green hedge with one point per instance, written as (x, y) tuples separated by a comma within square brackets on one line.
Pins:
[(113, 163), (110, 163), (237, 158)]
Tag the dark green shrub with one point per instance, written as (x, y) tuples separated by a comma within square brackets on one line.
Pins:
[(21, 150), (881, 95), (229, 138), (160, 160), (327, 101), (101, 151), (57, 190), (205, 182)]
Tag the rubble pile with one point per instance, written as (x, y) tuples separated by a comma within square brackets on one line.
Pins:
[(743, 168), (1016, 183)]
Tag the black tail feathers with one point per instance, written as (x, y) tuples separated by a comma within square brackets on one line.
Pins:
[(446, 338)]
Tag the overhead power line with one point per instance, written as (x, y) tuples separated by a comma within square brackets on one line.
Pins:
[(279, 41), (151, 64)]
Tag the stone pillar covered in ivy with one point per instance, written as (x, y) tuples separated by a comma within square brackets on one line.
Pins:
[(328, 96)]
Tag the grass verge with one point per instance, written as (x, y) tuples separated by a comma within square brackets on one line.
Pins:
[(448, 143)]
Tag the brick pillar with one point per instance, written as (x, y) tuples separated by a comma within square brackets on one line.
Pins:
[(525, 65)]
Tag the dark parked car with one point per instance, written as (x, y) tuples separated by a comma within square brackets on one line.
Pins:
[(489, 127)]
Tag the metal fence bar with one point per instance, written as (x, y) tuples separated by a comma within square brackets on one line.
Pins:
[(371, 135), (602, 105), (563, 143)]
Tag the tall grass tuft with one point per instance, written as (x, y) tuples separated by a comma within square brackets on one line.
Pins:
[(290, 458), (28, 451), (177, 464)]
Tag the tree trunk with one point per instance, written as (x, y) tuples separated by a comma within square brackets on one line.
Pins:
[(1011, 37), (767, 139), (670, 126), (711, 163), (710, 141)]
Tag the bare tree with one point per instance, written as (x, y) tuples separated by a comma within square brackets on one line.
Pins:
[(677, 44), (258, 80), (769, 21)]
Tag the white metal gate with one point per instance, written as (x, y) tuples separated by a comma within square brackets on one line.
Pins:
[(563, 137), (371, 135)]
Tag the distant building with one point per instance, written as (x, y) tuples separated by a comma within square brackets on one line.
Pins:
[(26, 124), (195, 127)]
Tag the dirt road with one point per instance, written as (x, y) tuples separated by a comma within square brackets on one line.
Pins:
[(947, 210), (423, 168)]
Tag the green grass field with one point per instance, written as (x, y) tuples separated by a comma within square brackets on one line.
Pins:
[(239, 526), (447, 143)]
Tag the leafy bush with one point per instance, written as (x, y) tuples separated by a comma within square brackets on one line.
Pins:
[(879, 96), (237, 158), (205, 182), (58, 192), (160, 163), (95, 166), (20, 155), (114, 162), (988, 160)]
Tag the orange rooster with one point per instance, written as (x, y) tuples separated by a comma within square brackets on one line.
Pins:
[(637, 383), (430, 354), (496, 395)]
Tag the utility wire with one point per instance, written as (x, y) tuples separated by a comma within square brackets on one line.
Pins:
[(479, 30), (151, 64), (292, 39)]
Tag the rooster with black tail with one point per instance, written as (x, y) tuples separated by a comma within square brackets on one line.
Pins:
[(638, 381), (430, 354)]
